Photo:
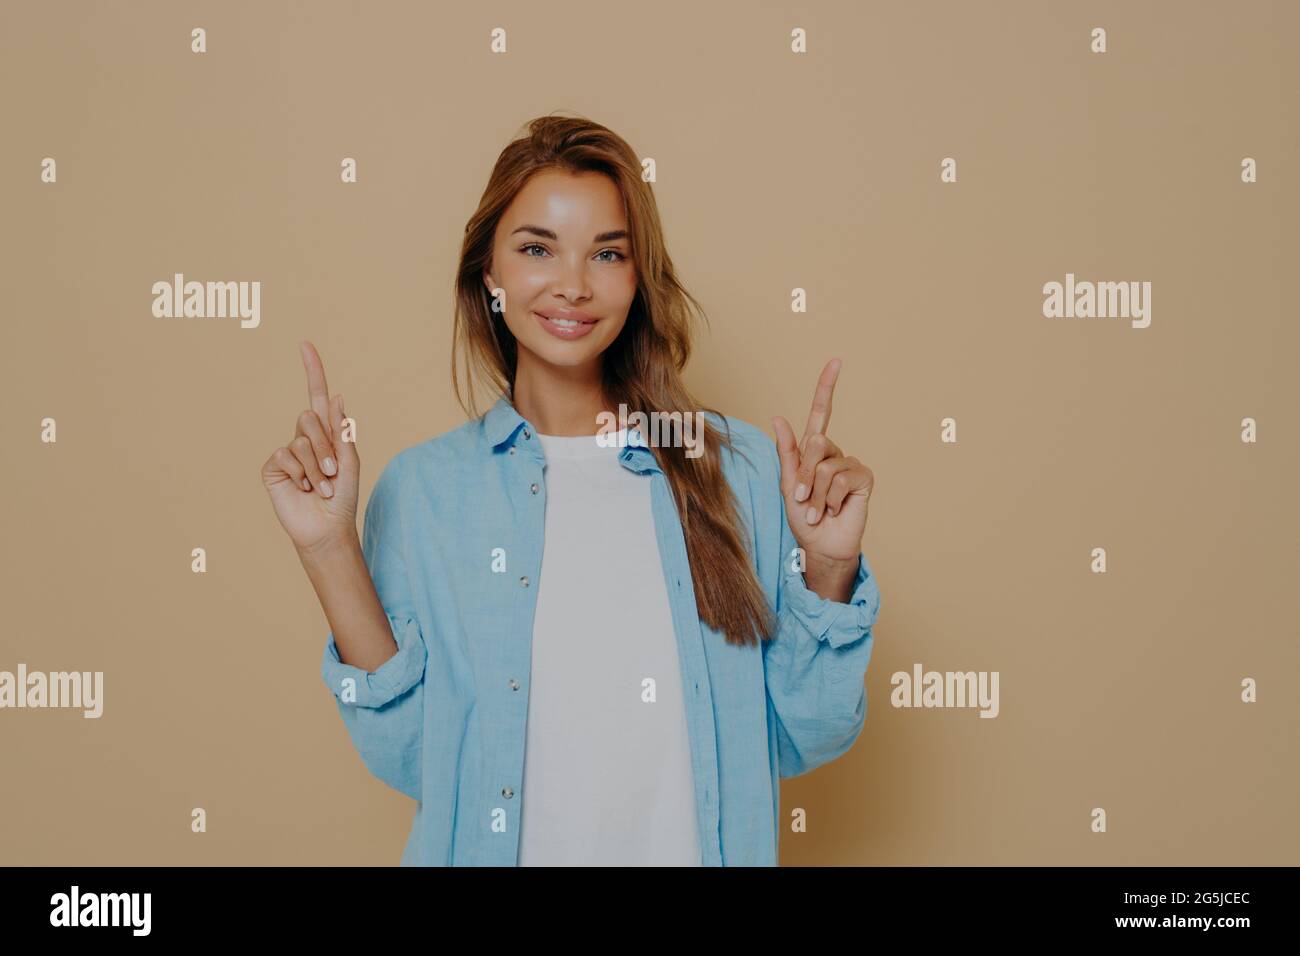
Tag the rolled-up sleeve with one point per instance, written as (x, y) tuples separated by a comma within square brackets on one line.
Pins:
[(816, 664), (400, 673), (383, 709)]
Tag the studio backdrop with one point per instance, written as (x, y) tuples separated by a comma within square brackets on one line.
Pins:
[(1054, 245)]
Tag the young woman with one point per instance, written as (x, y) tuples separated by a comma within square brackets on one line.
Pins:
[(572, 644)]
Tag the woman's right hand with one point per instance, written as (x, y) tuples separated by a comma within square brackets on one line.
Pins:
[(313, 480)]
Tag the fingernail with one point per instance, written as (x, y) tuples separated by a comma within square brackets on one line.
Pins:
[(812, 515), (306, 485), (325, 488), (328, 465), (800, 492)]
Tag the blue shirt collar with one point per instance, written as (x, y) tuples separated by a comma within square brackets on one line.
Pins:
[(502, 424), (502, 421)]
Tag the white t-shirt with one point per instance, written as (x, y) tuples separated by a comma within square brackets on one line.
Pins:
[(607, 776)]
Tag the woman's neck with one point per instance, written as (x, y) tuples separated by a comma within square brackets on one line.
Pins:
[(559, 401)]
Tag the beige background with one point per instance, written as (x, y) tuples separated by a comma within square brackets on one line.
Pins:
[(774, 171)]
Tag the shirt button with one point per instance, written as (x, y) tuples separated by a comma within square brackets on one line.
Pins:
[(533, 487), (514, 684), (527, 434), (524, 581), (507, 792), (512, 449)]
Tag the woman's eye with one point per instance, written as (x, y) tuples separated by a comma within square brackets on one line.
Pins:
[(533, 245)]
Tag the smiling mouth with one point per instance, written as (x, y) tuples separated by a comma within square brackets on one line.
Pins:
[(568, 323), (566, 328)]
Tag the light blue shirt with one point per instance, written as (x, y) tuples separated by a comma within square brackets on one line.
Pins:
[(443, 720)]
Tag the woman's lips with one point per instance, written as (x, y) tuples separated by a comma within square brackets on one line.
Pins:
[(565, 331)]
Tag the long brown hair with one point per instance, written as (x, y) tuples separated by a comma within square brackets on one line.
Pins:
[(641, 368)]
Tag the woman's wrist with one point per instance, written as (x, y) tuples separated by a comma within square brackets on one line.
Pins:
[(831, 578), (331, 551)]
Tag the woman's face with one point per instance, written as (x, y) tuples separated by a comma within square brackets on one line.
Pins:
[(561, 251)]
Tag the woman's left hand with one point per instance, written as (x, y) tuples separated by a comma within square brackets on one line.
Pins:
[(825, 491)]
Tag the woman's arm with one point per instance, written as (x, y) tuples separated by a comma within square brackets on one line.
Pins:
[(351, 604), (827, 598), (816, 664), (375, 656)]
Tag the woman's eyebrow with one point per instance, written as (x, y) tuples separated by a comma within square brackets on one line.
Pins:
[(548, 234)]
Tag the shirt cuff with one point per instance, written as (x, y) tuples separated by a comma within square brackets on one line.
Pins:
[(835, 622), (394, 677)]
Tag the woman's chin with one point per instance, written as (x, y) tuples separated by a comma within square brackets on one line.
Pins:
[(565, 354)]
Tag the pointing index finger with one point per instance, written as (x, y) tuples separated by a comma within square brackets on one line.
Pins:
[(317, 391), (820, 416)]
